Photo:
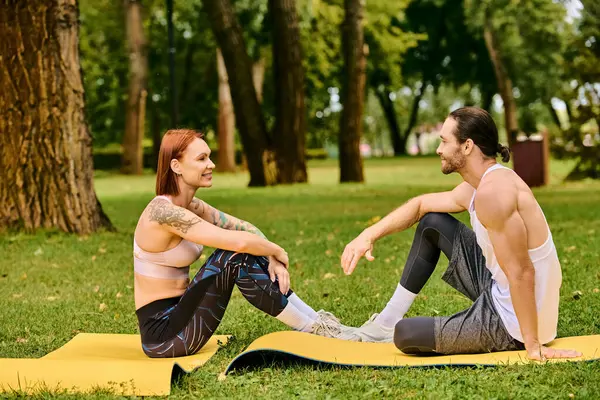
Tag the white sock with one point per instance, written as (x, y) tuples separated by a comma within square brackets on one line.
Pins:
[(302, 306), (396, 308), (295, 319)]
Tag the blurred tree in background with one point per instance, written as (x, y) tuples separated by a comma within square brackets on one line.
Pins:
[(531, 64)]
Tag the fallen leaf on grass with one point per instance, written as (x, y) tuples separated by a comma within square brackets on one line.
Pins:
[(119, 295), (328, 275), (373, 220), (22, 340), (51, 298), (102, 307), (38, 252)]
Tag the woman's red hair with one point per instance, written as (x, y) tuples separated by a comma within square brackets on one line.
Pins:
[(173, 144)]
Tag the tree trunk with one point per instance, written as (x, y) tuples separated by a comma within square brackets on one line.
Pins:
[(156, 134), (226, 122), (189, 72), (132, 161), (353, 92), (554, 115), (414, 112), (290, 120), (258, 78), (248, 114), (45, 146), (504, 83), (398, 141), (487, 99)]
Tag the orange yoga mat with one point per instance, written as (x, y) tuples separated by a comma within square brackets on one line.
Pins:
[(318, 349), (101, 361)]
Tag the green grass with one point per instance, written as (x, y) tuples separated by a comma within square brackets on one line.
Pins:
[(53, 284)]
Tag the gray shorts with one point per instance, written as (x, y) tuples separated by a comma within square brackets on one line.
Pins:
[(479, 328)]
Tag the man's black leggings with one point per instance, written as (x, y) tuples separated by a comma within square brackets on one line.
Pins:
[(435, 234), (479, 328)]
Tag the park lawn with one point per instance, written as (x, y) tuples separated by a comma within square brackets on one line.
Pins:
[(55, 285)]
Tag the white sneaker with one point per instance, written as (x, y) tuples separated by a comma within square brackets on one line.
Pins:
[(328, 325), (372, 331)]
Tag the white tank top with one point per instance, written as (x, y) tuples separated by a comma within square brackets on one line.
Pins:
[(548, 279)]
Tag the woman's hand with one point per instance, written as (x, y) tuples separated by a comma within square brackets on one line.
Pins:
[(282, 257), (278, 270)]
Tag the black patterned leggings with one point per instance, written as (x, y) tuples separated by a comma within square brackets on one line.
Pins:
[(180, 326)]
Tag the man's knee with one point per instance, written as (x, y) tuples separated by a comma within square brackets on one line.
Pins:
[(434, 219), (404, 336), (415, 336)]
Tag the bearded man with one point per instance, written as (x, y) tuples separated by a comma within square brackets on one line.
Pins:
[(506, 264)]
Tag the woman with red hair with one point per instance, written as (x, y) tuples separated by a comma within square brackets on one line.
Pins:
[(177, 316)]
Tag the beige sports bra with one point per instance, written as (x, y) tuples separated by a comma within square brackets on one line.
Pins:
[(170, 264)]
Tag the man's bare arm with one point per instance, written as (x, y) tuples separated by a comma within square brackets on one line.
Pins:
[(404, 217), (221, 219), (413, 210), (497, 211)]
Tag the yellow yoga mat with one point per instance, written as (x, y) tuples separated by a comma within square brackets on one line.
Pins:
[(101, 361), (339, 352)]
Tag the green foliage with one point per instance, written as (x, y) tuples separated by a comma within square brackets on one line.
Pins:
[(387, 44), (451, 54), (531, 39), (579, 137), (195, 66), (105, 69), (320, 22), (52, 284)]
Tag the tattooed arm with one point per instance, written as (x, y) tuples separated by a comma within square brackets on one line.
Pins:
[(184, 223), (221, 219)]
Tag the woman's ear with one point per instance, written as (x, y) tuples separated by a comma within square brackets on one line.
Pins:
[(176, 166)]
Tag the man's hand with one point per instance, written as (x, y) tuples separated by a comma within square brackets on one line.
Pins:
[(278, 270), (543, 353), (354, 251)]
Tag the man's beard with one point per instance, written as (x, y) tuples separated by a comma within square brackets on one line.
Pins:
[(454, 163)]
